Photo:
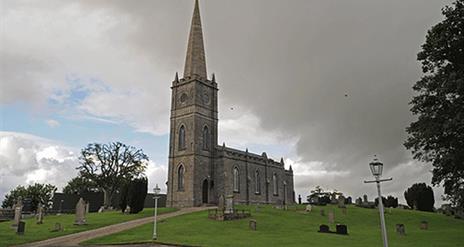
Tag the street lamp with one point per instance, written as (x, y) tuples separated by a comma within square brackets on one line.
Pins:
[(376, 168), (156, 191)]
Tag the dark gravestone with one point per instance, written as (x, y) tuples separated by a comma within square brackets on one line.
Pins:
[(253, 225), (400, 229), (342, 229), (324, 228), (21, 228)]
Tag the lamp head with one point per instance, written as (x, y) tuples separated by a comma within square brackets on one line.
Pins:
[(376, 167), (156, 190)]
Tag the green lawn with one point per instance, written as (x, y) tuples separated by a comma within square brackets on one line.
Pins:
[(36, 232), (296, 228)]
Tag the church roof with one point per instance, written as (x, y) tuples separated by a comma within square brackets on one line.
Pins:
[(195, 62)]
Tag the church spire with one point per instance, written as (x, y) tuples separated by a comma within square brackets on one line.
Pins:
[(195, 62)]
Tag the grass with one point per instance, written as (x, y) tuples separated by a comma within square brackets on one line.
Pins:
[(36, 232), (296, 228)]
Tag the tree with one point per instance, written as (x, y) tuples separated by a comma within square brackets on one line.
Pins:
[(80, 185), (420, 196), (37, 193), (437, 136), (133, 193), (392, 202), (384, 202), (109, 165)]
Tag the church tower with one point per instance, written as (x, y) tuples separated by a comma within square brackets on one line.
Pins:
[(194, 127)]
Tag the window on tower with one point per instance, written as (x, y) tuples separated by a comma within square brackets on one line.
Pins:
[(236, 180), (182, 138), (257, 182), (275, 184), (180, 178), (206, 138)]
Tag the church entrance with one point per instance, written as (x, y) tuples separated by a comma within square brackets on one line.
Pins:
[(205, 191)]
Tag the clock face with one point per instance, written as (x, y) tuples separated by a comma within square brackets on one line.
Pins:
[(183, 98), (205, 98)]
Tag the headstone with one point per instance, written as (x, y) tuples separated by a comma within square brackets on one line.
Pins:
[(80, 213), (253, 225), (309, 208), (40, 213), (342, 229), (424, 225), (324, 228), (331, 217), (322, 212), (21, 228), (127, 210), (341, 201), (221, 206), (358, 201), (57, 228), (229, 204), (299, 199), (365, 199), (87, 207), (101, 209), (17, 214), (400, 229), (333, 199)]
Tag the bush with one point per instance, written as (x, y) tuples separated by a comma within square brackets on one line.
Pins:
[(420, 197), (133, 193)]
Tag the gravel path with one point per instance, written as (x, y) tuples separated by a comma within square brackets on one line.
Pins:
[(76, 238)]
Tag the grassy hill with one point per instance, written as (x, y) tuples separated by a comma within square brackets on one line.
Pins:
[(36, 232), (276, 227)]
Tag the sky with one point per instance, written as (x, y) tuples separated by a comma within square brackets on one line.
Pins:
[(324, 84)]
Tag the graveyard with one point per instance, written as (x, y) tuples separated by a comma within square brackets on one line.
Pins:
[(296, 227), (66, 225)]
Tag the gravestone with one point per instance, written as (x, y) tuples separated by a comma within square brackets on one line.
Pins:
[(87, 207), (21, 228), (333, 199), (18, 207), (324, 228), (127, 210), (80, 213), (342, 229), (57, 228), (221, 206), (252, 225), (101, 209), (358, 201), (229, 205), (400, 229), (40, 213), (309, 208), (331, 217), (365, 199), (322, 212), (341, 201), (424, 225), (299, 199)]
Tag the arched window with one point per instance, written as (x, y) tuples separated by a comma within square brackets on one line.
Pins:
[(206, 138), (236, 180), (182, 137), (257, 182), (274, 183), (180, 178)]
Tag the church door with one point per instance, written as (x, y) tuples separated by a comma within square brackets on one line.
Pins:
[(205, 191)]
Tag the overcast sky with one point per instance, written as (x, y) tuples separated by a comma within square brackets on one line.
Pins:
[(324, 84)]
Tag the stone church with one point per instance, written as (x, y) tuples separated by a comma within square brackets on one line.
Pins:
[(200, 170)]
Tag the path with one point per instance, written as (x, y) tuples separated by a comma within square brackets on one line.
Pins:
[(76, 238)]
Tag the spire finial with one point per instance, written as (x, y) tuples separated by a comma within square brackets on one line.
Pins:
[(213, 78), (176, 78), (195, 62)]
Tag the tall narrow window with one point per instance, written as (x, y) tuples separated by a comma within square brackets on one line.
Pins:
[(182, 137), (180, 178), (236, 180), (205, 138), (257, 182), (274, 183)]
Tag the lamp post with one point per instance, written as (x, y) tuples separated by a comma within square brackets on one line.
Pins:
[(156, 191), (376, 168)]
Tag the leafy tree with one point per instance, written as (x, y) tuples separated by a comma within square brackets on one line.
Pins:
[(109, 165), (384, 202), (80, 185), (437, 136), (420, 196), (392, 202), (37, 193)]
